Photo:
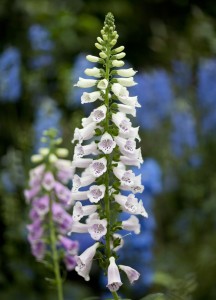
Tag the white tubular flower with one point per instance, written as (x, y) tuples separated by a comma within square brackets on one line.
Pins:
[(128, 203), (94, 216), (137, 186), (78, 228), (117, 236), (96, 193), (126, 177), (132, 224), (114, 280), (131, 101), (122, 122), (92, 58), (120, 55), (126, 72), (81, 162), (117, 63), (95, 72), (132, 133), (141, 210), (90, 97), (80, 151), (127, 146), (82, 195), (99, 114), (80, 211), (97, 228), (84, 261), (126, 81), (98, 167), (130, 161), (85, 133), (106, 144), (85, 83), (82, 181), (120, 91), (131, 273), (102, 84), (127, 109)]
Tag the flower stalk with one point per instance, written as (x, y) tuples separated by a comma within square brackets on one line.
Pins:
[(104, 173)]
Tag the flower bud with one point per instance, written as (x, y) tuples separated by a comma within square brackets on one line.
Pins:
[(92, 58), (105, 37), (43, 151), (117, 63), (119, 49), (53, 158), (99, 39), (36, 158), (62, 152), (113, 42), (98, 46), (102, 55), (120, 55)]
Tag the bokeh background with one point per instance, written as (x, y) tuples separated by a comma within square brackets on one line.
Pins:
[(172, 44)]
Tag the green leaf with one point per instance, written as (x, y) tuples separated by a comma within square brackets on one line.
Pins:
[(157, 296)]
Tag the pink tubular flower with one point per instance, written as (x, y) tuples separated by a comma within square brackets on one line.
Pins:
[(131, 273)]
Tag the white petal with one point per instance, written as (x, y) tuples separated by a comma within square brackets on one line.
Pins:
[(132, 224), (96, 193), (102, 84), (98, 167), (95, 72), (99, 114), (126, 72), (127, 109), (97, 228), (131, 273), (126, 81), (106, 144)]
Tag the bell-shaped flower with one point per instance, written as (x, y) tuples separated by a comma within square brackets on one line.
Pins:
[(84, 261), (97, 228), (38, 249), (126, 72), (41, 205), (141, 210), (85, 83), (82, 181), (103, 84), (64, 173), (114, 280), (81, 163), (106, 144), (128, 203), (70, 261), (83, 150), (127, 109), (78, 195), (99, 114), (132, 224), (131, 273), (137, 187), (96, 193), (91, 97), (80, 211), (132, 133), (31, 193), (120, 91), (37, 172), (130, 161), (126, 177), (78, 227), (126, 81), (95, 72), (127, 146), (98, 167), (122, 122), (70, 246), (85, 133), (48, 181), (62, 192)]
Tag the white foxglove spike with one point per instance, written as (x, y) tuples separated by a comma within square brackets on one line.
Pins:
[(126, 72), (90, 97), (132, 224), (106, 144), (97, 228), (114, 280), (96, 193), (84, 261), (95, 72), (98, 167), (131, 273), (85, 83)]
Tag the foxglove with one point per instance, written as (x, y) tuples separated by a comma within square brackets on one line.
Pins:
[(106, 145), (48, 196)]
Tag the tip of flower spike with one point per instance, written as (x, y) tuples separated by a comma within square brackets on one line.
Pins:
[(109, 20)]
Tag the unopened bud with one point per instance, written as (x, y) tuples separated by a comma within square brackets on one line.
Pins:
[(105, 37), (62, 152), (113, 42), (120, 55), (99, 39), (119, 49), (117, 63), (102, 55), (92, 58), (44, 151), (52, 158), (98, 46), (36, 158)]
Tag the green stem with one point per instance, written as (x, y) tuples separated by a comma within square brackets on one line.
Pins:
[(55, 253), (115, 296)]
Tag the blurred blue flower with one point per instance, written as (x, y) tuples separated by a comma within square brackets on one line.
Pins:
[(155, 96), (47, 116), (183, 135), (75, 93), (10, 83), (181, 76), (42, 45), (206, 92)]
